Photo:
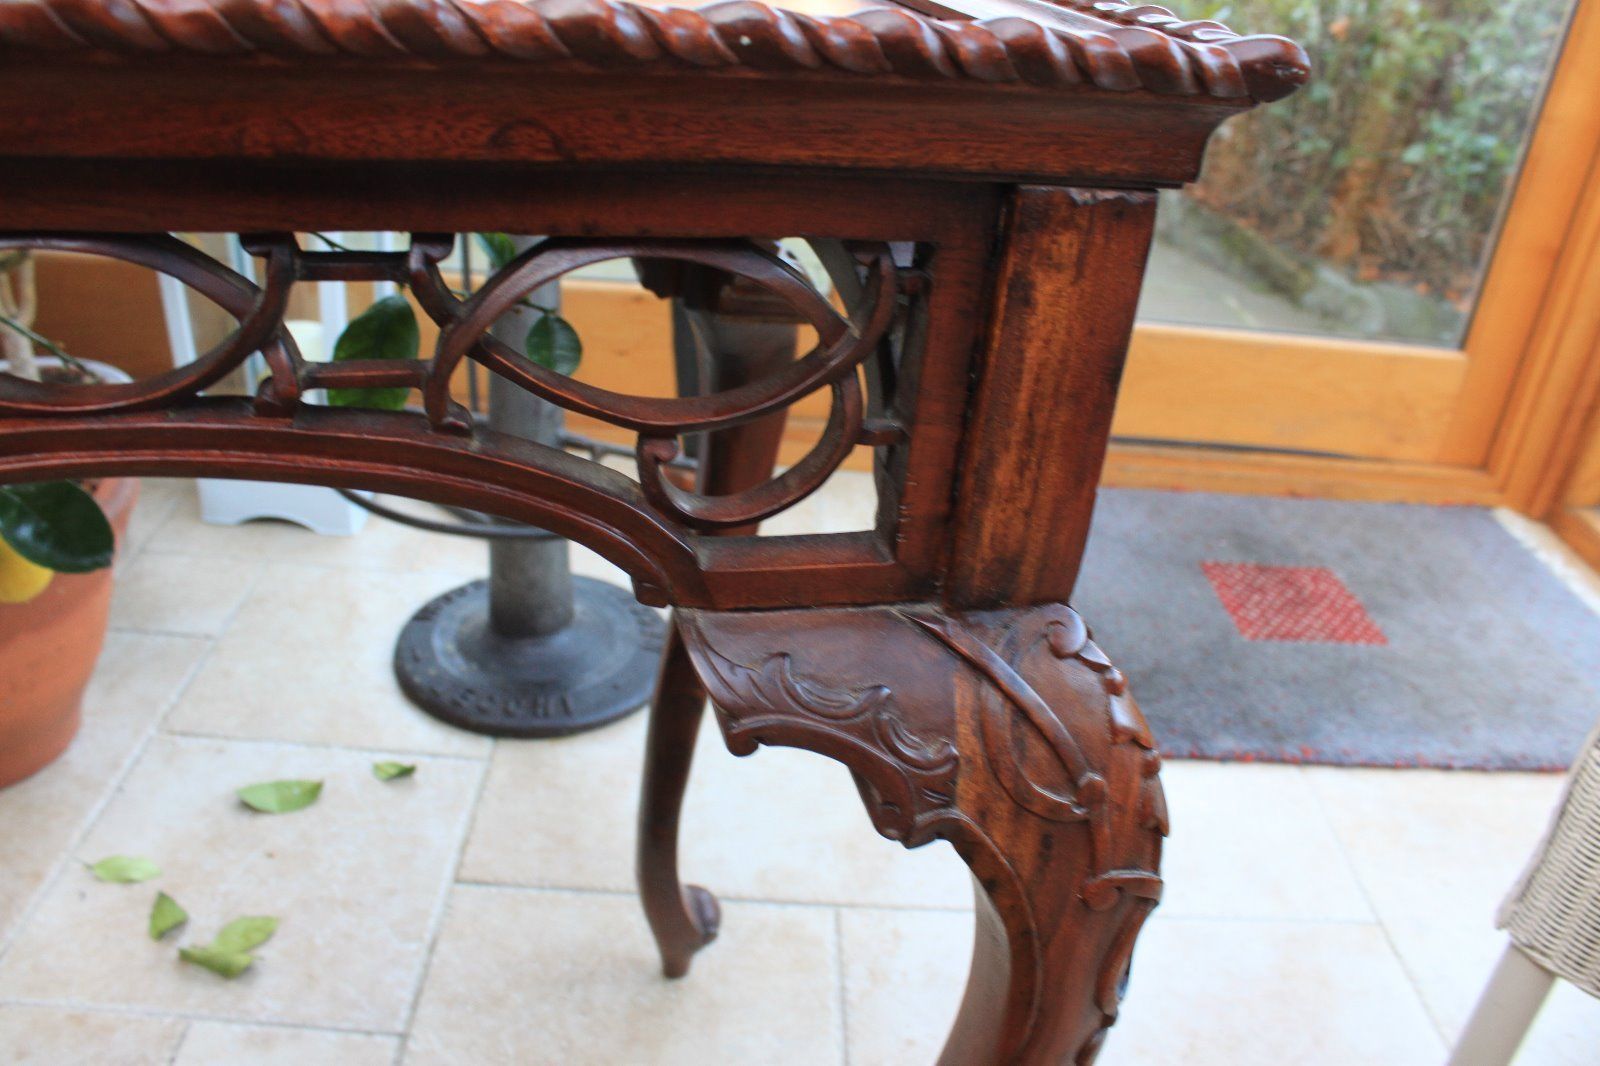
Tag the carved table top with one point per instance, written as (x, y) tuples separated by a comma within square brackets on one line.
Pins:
[(977, 179), (1003, 87), (1108, 44), (977, 173)]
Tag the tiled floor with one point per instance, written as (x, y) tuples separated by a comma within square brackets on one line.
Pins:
[(481, 913)]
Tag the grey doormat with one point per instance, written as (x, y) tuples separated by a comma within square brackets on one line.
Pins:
[(1343, 633)]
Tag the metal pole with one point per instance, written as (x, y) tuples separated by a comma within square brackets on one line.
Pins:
[(532, 651), (530, 582)]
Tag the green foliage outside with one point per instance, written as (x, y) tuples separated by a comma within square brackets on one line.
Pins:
[(1393, 162)]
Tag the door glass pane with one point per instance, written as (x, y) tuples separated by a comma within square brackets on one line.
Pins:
[(1365, 205)]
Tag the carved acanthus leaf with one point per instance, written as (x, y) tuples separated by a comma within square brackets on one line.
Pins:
[(863, 727)]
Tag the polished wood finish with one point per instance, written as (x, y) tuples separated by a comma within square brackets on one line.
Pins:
[(1254, 473), (1059, 336), (1549, 427), (727, 335), (1383, 403), (1007, 733), (956, 95), (977, 176)]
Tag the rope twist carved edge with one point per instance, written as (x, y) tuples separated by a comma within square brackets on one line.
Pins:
[(1106, 45)]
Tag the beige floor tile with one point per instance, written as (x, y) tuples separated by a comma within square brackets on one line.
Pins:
[(381, 545), (846, 503), (1210, 993), (1566, 1032), (587, 564), (1450, 964), (1422, 840), (158, 498), (1251, 841), (1435, 852), (1448, 957), (356, 880), (45, 1036), (224, 1044), (390, 546), (904, 972), (1203, 992), (527, 978), (137, 678), (780, 825), (190, 595), (308, 658)]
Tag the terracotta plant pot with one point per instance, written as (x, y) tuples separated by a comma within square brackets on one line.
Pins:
[(48, 649)]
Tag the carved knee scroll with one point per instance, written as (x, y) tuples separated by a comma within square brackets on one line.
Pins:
[(1007, 733)]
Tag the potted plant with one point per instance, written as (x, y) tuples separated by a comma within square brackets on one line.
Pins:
[(57, 540)]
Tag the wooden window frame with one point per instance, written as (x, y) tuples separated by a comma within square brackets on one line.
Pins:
[(1487, 423)]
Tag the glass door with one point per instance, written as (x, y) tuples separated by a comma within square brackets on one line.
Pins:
[(1360, 266)]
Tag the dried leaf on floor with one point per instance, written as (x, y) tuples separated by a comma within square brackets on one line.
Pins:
[(125, 869), (166, 916), (280, 797), (243, 934), (388, 771), (229, 964)]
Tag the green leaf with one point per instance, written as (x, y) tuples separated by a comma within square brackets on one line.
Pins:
[(554, 344), (388, 771), (243, 934), (280, 797), (165, 916), (498, 247), (125, 870), (57, 525), (229, 964), (387, 330), (229, 953)]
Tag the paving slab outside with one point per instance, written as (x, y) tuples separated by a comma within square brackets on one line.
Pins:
[(480, 912)]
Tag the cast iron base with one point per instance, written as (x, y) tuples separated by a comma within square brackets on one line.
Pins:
[(599, 668)]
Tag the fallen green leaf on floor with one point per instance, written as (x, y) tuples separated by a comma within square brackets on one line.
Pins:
[(388, 771), (280, 797), (125, 869), (229, 964), (243, 934), (165, 916), (228, 955)]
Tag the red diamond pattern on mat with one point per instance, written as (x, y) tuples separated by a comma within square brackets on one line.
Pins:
[(1292, 603)]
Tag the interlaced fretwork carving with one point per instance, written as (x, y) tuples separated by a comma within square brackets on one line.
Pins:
[(845, 342)]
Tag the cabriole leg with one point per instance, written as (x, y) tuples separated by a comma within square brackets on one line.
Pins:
[(684, 918), (1007, 733), (716, 350)]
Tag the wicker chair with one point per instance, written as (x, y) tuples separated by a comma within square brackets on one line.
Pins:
[(1553, 919)]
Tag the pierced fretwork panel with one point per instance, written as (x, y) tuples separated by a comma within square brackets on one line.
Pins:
[(863, 317)]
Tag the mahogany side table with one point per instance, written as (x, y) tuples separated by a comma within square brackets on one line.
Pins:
[(978, 175)]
